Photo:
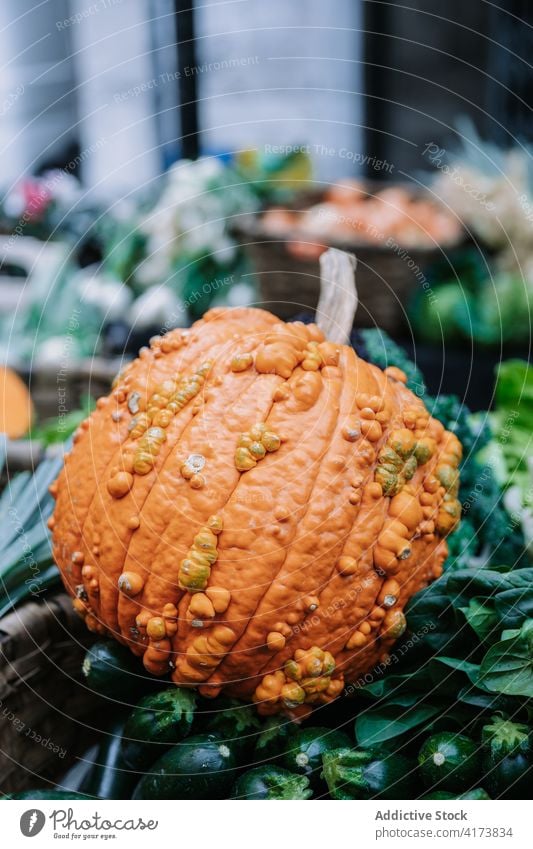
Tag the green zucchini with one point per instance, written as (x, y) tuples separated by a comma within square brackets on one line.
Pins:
[(113, 672), (507, 759), (273, 741), (73, 779), (477, 794), (271, 782), (109, 777), (236, 722), (368, 774), (201, 767), (306, 747), (449, 761), (158, 721)]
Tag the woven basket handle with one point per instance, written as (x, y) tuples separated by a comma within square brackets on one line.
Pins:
[(338, 300)]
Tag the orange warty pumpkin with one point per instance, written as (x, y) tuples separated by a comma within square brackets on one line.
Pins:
[(252, 507)]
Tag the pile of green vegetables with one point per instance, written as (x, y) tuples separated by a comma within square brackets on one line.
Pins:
[(489, 307), (447, 715), (27, 568), (176, 745)]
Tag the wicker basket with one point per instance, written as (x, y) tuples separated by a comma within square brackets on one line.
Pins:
[(42, 702), (50, 387), (386, 276)]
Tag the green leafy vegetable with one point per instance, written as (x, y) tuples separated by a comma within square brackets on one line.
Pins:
[(385, 723), (27, 568), (508, 666), (511, 457), (487, 531), (482, 617), (53, 431), (491, 309), (462, 675)]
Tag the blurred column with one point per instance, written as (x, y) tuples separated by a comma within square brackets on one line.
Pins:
[(117, 80), (188, 92), (282, 73), (37, 105), (509, 90), (166, 65)]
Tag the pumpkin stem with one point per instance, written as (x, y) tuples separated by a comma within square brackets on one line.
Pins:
[(338, 299)]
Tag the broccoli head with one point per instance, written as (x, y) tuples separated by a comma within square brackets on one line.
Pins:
[(486, 529), (463, 544), (473, 432), (376, 346), (481, 495)]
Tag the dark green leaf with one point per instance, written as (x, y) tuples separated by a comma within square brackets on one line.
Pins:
[(431, 617), (508, 666), (470, 669), (516, 604), (472, 696), (481, 617), (380, 724), (465, 584), (393, 685)]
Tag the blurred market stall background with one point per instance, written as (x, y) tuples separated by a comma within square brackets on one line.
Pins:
[(140, 149)]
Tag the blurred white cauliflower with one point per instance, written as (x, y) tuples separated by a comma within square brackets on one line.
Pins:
[(190, 219), (491, 192)]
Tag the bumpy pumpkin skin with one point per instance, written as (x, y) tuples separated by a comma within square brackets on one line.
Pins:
[(252, 507)]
